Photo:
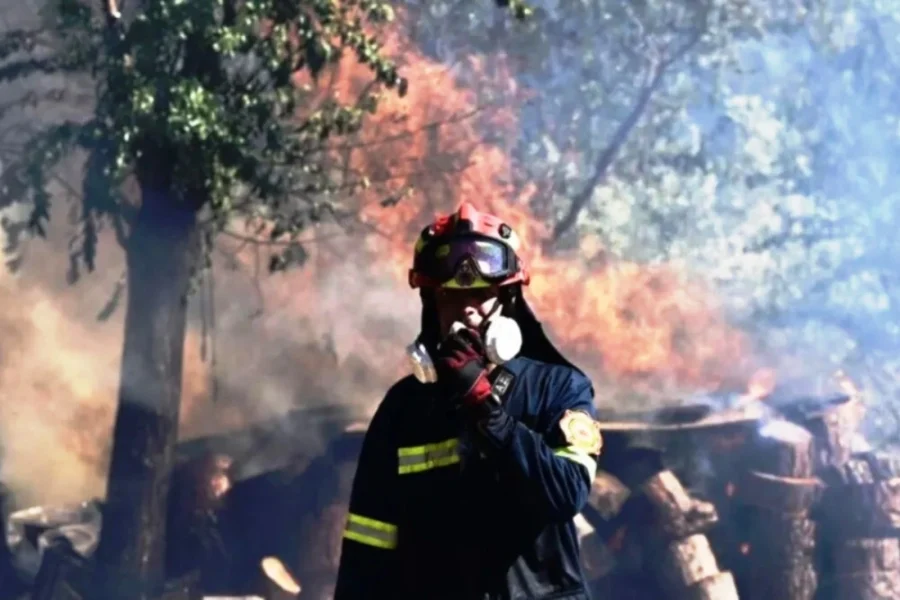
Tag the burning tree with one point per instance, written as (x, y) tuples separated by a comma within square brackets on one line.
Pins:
[(199, 107)]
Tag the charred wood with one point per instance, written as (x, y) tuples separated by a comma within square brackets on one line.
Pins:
[(672, 511), (720, 586), (862, 498), (867, 555), (834, 424), (860, 519), (873, 585), (686, 562), (779, 494), (670, 525), (776, 492), (773, 539), (793, 581), (781, 448), (606, 499)]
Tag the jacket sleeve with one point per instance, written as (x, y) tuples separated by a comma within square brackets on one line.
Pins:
[(368, 554), (553, 469)]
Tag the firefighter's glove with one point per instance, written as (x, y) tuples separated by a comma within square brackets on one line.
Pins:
[(461, 367)]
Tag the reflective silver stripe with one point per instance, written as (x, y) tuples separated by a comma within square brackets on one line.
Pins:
[(416, 459), (582, 458), (371, 532)]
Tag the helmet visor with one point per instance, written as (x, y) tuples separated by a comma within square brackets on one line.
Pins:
[(491, 259)]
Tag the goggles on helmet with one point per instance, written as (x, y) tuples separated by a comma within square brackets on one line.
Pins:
[(466, 261)]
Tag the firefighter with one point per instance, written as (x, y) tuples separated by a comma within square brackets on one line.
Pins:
[(467, 484)]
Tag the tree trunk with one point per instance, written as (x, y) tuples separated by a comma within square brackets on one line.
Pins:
[(161, 249)]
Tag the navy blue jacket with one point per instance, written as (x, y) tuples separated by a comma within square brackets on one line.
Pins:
[(444, 509)]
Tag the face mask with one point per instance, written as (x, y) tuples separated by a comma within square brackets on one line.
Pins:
[(502, 341)]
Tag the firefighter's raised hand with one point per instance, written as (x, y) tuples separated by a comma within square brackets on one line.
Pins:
[(462, 366)]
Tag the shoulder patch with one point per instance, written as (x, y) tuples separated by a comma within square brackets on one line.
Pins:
[(581, 431)]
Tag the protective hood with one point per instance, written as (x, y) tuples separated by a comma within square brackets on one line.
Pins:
[(535, 343)]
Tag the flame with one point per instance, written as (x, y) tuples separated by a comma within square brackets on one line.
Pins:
[(762, 384), (652, 326), (745, 549), (337, 326), (847, 385)]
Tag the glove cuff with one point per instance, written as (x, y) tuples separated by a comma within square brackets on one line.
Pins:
[(480, 389)]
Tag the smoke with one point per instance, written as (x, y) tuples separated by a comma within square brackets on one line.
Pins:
[(330, 333), (791, 205), (58, 376), (322, 335)]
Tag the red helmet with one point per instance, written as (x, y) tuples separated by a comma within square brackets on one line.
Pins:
[(468, 249)]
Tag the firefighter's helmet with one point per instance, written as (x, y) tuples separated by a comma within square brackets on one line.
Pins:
[(465, 250)]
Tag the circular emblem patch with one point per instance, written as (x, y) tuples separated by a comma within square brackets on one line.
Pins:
[(581, 431)]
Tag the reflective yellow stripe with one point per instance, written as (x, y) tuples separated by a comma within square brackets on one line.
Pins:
[(415, 459), (425, 449), (582, 458), (371, 532)]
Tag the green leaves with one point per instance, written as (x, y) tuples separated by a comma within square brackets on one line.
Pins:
[(204, 96)]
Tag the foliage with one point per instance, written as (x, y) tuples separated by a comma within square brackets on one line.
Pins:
[(202, 99)]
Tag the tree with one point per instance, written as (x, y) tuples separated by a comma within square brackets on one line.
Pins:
[(198, 103), (197, 99)]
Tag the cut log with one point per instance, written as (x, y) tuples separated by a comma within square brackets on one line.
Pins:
[(666, 492), (866, 555), (860, 517), (878, 585), (775, 540), (781, 448), (608, 494), (776, 493), (862, 510), (716, 587), (834, 424), (673, 512), (787, 495), (686, 562), (797, 582)]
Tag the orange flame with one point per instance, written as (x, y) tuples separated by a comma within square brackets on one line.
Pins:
[(846, 384), (762, 384), (648, 325)]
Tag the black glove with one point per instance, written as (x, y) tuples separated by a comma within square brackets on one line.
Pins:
[(461, 367)]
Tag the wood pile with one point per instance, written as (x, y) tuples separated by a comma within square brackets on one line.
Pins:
[(781, 501), (696, 505), (674, 538)]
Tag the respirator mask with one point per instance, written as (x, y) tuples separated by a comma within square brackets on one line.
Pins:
[(502, 342)]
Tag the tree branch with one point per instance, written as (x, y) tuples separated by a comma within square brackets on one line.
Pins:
[(605, 160), (609, 154)]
